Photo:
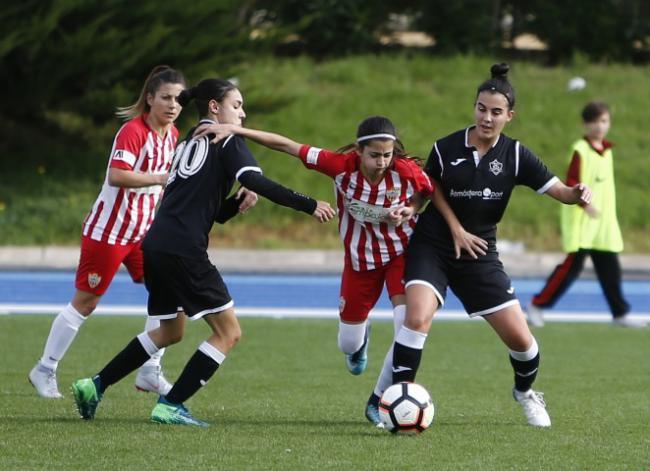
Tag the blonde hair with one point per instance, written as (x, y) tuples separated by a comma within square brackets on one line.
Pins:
[(158, 76)]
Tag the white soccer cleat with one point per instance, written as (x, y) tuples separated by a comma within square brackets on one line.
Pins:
[(44, 380), (625, 321), (535, 315), (534, 407), (151, 379)]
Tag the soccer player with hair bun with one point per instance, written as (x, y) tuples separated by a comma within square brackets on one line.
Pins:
[(379, 190), (181, 280), (114, 228), (476, 169)]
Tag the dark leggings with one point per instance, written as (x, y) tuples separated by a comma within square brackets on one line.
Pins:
[(608, 270)]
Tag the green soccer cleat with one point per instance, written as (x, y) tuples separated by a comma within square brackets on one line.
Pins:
[(87, 397), (357, 362), (174, 414)]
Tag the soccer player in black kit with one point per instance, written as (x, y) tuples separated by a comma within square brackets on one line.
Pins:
[(180, 278), (476, 169)]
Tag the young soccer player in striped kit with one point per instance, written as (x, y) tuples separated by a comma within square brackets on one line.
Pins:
[(378, 191), (138, 167)]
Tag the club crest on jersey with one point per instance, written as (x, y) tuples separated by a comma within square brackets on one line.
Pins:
[(93, 280), (341, 304), (393, 194), (496, 167)]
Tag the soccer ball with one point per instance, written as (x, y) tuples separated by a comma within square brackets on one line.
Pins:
[(406, 408)]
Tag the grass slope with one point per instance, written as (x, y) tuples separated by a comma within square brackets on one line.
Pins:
[(321, 103), (283, 400)]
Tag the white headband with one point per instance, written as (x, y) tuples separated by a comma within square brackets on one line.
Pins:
[(376, 136)]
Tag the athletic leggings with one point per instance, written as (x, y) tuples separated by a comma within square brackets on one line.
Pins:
[(608, 270)]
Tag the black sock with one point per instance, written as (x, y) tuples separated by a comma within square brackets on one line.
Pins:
[(525, 372), (130, 359), (196, 373), (406, 361)]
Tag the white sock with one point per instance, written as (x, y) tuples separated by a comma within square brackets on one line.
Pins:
[(62, 333), (386, 376), (213, 352), (147, 343), (411, 338), (529, 354), (351, 336), (149, 325)]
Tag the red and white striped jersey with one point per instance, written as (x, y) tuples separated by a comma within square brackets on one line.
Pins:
[(124, 215), (369, 241)]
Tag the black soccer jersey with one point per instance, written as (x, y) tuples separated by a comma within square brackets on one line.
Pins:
[(478, 189), (201, 177)]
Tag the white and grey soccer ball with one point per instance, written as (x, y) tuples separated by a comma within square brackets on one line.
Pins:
[(576, 83), (406, 408)]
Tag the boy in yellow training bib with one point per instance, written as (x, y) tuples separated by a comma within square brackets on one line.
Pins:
[(591, 229)]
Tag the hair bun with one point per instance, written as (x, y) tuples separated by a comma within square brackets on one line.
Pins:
[(186, 96), (500, 71)]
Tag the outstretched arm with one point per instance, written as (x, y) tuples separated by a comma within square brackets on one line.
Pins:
[(267, 139), (463, 240), (283, 196), (578, 193)]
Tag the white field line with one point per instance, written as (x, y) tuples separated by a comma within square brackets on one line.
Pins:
[(297, 313)]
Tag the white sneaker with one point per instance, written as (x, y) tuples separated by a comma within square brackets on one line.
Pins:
[(44, 380), (535, 315), (625, 321), (534, 407), (151, 379)]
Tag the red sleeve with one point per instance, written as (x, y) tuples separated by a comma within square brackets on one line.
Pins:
[(127, 146), (422, 183), (573, 173), (324, 161)]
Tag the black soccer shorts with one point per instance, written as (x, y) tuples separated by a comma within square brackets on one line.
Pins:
[(176, 283), (481, 285)]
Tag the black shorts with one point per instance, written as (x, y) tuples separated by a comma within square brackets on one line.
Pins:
[(177, 283), (481, 285)]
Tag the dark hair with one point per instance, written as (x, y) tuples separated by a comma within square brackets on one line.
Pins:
[(204, 91), (594, 110), (379, 125), (158, 76), (499, 83)]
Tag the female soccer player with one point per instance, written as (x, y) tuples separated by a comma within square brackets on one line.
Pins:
[(378, 190), (180, 277), (137, 171), (477, 169)]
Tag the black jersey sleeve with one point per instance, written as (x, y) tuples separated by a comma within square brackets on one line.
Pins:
[(277, 193), (229, 209), (237, 157), (434, 166), (531, 171)]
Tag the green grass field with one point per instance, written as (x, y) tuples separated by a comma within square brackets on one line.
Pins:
[(283, 400)]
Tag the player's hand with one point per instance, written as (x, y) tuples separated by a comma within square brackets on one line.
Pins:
[(592, 211), (247, 199), (582, 193), (400, 215), (323, 212), (219, 131), (470, 243), (161, 179)]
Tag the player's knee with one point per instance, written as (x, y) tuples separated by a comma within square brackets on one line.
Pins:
[(351, 337), (233, 336)]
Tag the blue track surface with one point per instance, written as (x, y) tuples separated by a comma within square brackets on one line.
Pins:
[(286, 291)]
